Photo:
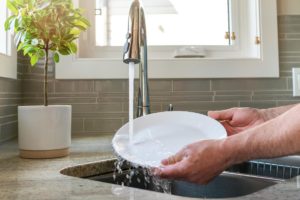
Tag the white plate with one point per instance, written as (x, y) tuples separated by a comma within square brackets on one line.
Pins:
[(159, 135)]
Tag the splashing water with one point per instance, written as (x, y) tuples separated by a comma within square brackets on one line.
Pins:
[(131, 100), (134, 174)]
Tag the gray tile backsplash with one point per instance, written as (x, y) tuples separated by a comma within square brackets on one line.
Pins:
[(101, 106), (10, 97)]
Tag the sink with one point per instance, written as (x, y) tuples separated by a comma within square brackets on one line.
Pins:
[(239, 180), (224, 186)]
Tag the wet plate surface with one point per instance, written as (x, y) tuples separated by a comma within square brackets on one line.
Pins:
[(159, 135)]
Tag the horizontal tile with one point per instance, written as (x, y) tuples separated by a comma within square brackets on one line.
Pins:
[(249, 84), (61, 95), (81, 100), (99, 115), (10, 95), (233, 92), (7, 119), (284, 74), (192, 93), (9, 85), (191, 85), (232, 98), (113, 99), (274, 92), (9, 130), (103, 107), (258, 104), (111, 85), (8, 110), (288, 66), (36, 86), (171, 99), (10, 101), (77, 125), (289, 28), (160, 85), (293, 59), (153, 107), (284, 103), (202, 106), (289, 19), (275, 97), (289, 54), (289, 45), (74, 86), (102, 125)]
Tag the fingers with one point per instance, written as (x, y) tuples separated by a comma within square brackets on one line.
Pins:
[(173, 159), (229, 129), (222, 114), (170, 171)]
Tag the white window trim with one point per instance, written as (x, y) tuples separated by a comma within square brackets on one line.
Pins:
[(266, 65), (8, 66)]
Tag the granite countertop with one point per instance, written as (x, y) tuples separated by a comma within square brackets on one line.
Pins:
[(41, 179)]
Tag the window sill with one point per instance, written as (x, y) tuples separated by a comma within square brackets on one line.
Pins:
[(95, 68)]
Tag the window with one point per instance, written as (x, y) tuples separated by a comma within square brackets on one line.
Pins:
[(3, 34), (250, 48), (168, 22), (8, 55)]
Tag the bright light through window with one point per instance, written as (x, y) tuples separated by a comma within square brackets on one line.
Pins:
[(3, 34), (169, 22)]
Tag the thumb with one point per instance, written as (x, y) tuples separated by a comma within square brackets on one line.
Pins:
[(222, 114)]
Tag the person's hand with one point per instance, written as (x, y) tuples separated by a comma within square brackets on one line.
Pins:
[(199, 162), (236, 120)]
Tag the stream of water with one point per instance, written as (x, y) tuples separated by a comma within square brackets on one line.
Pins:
[(131, 100)]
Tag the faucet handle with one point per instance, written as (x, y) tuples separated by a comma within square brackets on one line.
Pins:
[(171, 107)]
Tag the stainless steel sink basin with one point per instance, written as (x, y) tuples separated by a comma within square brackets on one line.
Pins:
[(238, 180), (224, 186)]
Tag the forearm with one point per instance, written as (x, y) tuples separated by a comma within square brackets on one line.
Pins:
[(277, 137), (271, 113)]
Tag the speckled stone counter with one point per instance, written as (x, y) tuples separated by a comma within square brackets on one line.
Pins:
[(24, 179)]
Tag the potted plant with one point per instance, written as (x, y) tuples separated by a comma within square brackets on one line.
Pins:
[(41, 27)]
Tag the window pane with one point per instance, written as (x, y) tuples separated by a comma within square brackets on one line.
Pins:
[(169, 22), (3, 37)]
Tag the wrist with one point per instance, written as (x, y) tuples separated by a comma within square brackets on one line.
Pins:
[(233, 150), (266, 114)]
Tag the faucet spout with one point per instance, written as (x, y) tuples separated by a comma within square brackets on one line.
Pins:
[(135, 51)]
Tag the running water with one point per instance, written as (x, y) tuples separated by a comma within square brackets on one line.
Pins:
[(131, 100)]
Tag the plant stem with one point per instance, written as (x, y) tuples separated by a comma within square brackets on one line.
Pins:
[(46, 76)]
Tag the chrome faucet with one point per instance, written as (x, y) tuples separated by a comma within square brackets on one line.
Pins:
[(135, 50)]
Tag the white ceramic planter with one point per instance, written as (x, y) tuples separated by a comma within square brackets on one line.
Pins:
[(44, 131)]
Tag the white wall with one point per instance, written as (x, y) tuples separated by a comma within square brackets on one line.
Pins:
[(288, 7), (8, 64)]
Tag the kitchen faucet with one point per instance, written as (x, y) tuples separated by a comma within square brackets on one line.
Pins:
[(135, 51)]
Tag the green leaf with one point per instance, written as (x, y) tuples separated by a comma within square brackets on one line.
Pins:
[(8, 22), (17, 38), (73, 47), (41, 53), (75, 31), (64, 51), (28, 49), (56, 57), (20, 46), (12, 7), (34, 42), (34, 59)]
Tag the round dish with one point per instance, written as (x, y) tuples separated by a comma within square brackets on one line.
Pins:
[(160, 135)]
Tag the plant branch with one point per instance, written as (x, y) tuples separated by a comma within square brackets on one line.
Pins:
[(46, 74)]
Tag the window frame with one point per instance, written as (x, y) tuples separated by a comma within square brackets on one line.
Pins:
[(8, 59), (240, 61)]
